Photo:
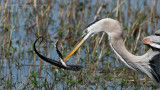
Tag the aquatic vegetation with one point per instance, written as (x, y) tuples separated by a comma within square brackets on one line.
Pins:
[(21, 22)]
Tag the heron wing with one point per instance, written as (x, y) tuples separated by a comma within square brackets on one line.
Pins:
[(155, 65)]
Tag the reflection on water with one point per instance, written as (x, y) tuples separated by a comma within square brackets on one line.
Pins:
[(22, 21)]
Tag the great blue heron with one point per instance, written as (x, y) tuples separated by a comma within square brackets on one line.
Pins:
[(148, 64)]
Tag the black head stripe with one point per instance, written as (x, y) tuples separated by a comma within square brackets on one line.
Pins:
[(93, 23)]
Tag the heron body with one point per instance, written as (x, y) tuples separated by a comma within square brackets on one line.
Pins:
[(148, 64)]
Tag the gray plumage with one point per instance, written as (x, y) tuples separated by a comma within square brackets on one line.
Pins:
[(148, 64)]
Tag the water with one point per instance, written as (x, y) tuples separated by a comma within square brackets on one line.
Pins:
[(20, 67)]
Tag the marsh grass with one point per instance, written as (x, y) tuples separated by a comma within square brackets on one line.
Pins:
[(21, 22)]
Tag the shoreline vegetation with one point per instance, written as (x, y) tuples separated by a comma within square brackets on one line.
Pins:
[(22, 21)]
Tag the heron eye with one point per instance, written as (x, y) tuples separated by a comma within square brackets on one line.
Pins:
[(85, 31)]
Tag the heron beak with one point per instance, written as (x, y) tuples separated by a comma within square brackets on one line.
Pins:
[(85, 36)]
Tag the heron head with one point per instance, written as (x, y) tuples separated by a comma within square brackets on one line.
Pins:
[(110, 26)]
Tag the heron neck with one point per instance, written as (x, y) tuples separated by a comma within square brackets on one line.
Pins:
[(120, 50)]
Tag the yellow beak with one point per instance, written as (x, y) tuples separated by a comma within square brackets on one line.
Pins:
[(73, 51), (76, 47)]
